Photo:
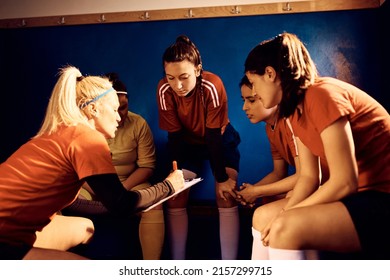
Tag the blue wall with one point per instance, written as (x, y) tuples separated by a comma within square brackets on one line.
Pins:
[(344, 44)]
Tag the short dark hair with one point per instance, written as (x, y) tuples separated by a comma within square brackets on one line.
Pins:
[(245, 82), (117, 84)]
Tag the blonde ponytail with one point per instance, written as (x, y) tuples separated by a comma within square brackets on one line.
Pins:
[(71, 90)]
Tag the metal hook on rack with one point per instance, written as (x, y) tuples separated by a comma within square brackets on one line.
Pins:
[(287, 7), (23, 23), (145, 16), (236, 10), (190, 14), (102, 18), (61, 21)]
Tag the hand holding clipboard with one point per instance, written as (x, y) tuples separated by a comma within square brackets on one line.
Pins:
[(187, 184)]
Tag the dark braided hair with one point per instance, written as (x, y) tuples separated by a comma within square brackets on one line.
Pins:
[(183, 49)]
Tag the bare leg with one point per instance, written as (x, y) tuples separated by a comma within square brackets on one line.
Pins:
[(65, 232), (48, 254), (322, 227), (261, 217), (266, 213)]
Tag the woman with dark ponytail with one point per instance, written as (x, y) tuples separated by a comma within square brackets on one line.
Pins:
[(335, 124), (192, 106)]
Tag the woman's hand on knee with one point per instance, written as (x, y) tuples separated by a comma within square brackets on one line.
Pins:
[(227, 188)]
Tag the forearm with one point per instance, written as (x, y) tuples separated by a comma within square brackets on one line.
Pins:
[(110, 191), (151, 195), (139, 176), (279, 172), (269, 179), (304, 188), (329, 192), (277, 187)]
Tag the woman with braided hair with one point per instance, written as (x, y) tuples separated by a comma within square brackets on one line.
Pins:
[(193, 109)]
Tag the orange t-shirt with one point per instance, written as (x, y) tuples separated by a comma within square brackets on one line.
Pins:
[(206, 107), (327, 101), (44, 175), (282, 142)]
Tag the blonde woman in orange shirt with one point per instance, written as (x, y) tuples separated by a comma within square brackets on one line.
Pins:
[(134, 158), (45, 175)]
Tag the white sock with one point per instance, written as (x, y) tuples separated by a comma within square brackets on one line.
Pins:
[(229, 232), (177, 223), (259, 251), (283, 254)]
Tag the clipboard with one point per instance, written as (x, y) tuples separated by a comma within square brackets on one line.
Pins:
[(187, 185)]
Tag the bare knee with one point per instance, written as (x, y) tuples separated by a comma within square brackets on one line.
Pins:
[(284, 233), (81, 231), (263, 215), (228, 203), (257, 219), (88, 229), (229, 200)]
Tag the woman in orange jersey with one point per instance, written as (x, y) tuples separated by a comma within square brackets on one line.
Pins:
[(45, 175), (336, 123), (134, 158), (192, 106), (277, 183)]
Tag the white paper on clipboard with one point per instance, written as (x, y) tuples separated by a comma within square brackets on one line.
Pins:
[(187, 184)]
